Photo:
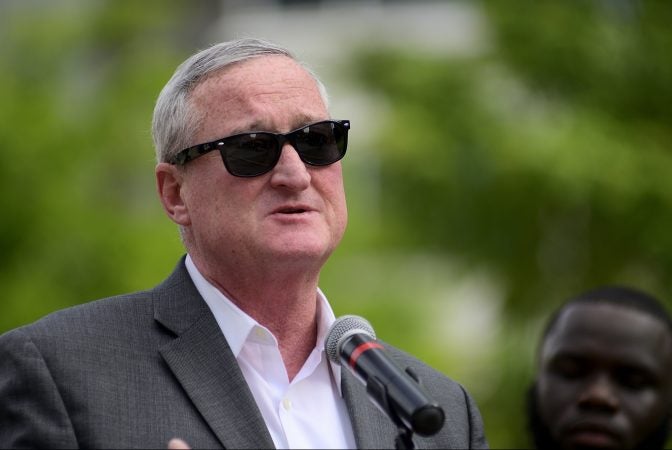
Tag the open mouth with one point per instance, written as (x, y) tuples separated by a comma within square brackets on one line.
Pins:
[(298, 209), (292, 211)]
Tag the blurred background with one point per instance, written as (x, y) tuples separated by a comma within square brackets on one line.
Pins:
[(503, 157)]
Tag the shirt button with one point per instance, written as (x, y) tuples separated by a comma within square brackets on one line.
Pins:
[(287, 404)]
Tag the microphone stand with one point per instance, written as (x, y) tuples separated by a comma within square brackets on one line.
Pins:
[(404, 438)]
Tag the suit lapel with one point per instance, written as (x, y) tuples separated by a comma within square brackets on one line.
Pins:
[(202, 362)]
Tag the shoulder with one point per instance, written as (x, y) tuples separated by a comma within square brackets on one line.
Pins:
[(107, 320), (463, 418), (111, 309), (425, 372), (443, 388)]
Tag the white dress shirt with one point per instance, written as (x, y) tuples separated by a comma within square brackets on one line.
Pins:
[(307, 412)]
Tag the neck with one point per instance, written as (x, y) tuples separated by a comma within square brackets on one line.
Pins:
[(284, 303)]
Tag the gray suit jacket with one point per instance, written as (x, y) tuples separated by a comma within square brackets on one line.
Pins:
[(135, 370)]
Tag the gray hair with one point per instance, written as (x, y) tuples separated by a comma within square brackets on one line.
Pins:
[(175, 121)]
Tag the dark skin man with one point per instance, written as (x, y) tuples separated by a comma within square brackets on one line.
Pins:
[(603, 377)]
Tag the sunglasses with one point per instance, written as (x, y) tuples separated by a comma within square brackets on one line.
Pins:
[(253, 154)]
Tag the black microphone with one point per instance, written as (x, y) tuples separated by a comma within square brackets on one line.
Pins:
[(351, 342)]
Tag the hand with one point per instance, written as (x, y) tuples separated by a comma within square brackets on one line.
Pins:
[(178, 444)]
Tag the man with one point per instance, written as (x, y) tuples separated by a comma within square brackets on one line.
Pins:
[(604, 367), (229, 350)]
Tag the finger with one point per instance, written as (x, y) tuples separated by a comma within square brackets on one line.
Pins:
[(178, 444)]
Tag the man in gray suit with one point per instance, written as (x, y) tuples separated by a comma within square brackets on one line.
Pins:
[(227, 351)]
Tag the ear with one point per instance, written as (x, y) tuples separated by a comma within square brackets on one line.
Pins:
[(169, 182)]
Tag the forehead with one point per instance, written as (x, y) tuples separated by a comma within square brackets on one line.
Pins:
[(265, 92), (611, 333)]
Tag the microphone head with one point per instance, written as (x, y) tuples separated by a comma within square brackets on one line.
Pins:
[(341, 329)]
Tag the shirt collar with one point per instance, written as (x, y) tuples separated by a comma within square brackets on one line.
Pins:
[(237, 326)]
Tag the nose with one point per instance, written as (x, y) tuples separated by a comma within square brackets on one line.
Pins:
[(599, 395), (290, 172)]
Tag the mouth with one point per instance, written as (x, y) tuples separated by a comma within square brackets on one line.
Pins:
[(292, 210), (592, 435)]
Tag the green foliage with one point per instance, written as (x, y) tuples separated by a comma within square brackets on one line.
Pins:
[(544, 160), (80, 218), (524, 174)]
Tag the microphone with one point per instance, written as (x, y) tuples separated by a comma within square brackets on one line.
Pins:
[(351, 342)]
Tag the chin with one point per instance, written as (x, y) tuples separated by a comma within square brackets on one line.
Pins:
[(302, 244), (303, 253)]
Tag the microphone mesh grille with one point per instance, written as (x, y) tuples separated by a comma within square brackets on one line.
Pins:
[(343, 327)]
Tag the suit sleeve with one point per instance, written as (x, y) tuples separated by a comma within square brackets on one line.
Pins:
[(32, 412)]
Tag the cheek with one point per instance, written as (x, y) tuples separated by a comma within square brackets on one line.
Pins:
[(557, 398), (340, 223), (334, 196), (208, 194), (645, 409), (330, 182)]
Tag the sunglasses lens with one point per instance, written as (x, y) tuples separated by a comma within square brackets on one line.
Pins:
[(322, 143), (253, 154), (249, 155)]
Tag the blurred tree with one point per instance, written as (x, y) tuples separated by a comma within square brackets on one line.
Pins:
[(544, 160), (78, 82)]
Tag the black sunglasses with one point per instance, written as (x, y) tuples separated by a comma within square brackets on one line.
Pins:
[(252, 154)]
